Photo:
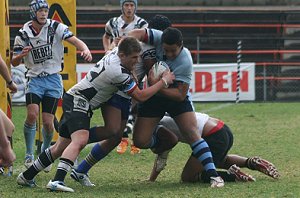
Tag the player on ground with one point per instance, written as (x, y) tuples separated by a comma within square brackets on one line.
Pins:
[(219, 139), (110, 74), (174, 100), (39, 44)]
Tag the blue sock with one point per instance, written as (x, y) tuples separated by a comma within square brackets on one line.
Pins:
[(47, 139), (29, 134), (91, 159), (202, 152)]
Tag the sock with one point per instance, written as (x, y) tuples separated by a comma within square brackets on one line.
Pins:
[(47, 139), (43, 161), (29, 133), (249, 164), (224, 174), (202, 152), (91, 159), (64, 166)]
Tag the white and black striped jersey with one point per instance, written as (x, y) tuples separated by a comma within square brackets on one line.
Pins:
[(103, 80), (116, 26), (47, 51)]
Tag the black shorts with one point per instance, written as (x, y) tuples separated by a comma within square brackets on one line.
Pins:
[(76, 115), (157, 106), (219, 143)]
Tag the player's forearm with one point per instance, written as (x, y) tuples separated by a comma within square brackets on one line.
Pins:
[(4, 72), (16, 60), (106, 43), (145, 94)]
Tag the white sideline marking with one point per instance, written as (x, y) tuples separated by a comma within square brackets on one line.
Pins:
[(222, 106)]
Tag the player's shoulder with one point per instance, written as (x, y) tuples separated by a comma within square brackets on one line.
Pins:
[(140, 22)]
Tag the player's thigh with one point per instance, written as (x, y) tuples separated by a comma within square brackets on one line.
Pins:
[(112, 119), (191, 170), (187, 125), (144, 128)]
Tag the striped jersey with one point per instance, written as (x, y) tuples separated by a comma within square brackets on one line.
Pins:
[(103, 80), (116, 26), (47, 51)]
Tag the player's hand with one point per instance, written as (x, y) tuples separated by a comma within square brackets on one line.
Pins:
[(117, 40), (25, 51), (168, 76), (7, 156), (13, 87), (86, 54)]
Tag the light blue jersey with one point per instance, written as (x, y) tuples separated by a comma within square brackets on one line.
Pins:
[(181, 66)]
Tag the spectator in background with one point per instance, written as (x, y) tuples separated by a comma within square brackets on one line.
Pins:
[(115, 29)]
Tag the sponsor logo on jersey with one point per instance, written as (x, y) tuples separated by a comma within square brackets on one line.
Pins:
[(42, 53)]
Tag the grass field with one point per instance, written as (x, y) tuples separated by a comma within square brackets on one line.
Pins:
[(270, 130)]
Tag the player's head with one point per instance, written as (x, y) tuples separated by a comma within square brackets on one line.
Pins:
[(128, 50), (160, 22), (127, 4), (172, 42), (35, 6)]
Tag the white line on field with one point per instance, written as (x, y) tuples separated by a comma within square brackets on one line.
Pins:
[(222, 106)]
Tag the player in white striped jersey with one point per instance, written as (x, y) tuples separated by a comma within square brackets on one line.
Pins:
[(110, 74), (39, 44), (220, 139), (117, 27)]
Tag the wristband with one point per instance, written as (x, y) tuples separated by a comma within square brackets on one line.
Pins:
[(165, 82)]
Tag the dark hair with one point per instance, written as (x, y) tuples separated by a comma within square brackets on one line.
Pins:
[(172, 36), (160, 22), (129, 45)]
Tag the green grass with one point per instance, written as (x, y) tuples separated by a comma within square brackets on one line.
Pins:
[(270, 130)]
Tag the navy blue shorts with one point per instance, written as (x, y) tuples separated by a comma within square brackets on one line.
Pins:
[(121, 103), (157, 106)]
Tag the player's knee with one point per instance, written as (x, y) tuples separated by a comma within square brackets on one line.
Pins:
[(48, 127), (143, 144), (31, 117)]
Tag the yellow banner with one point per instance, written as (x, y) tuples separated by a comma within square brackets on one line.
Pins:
[(5, 53)]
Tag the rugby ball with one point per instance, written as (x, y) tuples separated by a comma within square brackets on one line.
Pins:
[(158, 68)]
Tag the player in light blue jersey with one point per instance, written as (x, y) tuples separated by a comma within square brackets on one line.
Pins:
[(173, 100)]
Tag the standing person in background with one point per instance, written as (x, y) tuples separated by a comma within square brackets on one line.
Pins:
[(115, 29), (7, 155), (39, 44)]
